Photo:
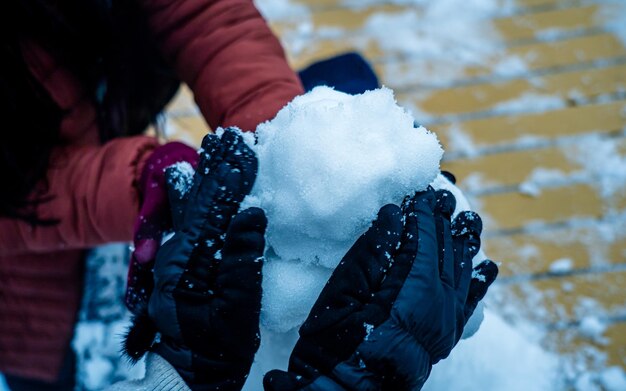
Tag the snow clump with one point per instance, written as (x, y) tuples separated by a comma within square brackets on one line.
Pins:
[(327, 163)]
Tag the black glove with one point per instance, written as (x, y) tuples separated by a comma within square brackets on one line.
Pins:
[(207, 297), (396, 304)]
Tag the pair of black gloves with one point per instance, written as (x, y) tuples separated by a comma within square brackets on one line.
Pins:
[(396, 304)]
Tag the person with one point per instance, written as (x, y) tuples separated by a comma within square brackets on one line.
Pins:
[(395, 305), (79, 83)]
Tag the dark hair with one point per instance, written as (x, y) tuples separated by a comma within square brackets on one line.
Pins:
[(107, 46)]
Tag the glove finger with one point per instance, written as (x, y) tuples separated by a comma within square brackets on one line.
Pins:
[(234, 303), (466, 230), (218, 190), (358, 276), (210, 146), (147, 247), (467, 222), (243, 242), (419, 225), (139, 284), (381, 240), (347, 303), (179, 180), (443, 212), (154, 217), (246, 235), (207, 157), (381, 244), (241, 260), (483, 275), (420, 213), (449, 176), (240, 155), (152, 221), (218, 199), (233, 172)]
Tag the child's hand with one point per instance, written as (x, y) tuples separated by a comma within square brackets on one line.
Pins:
[(396, 304), (153, 219), (207, 294)]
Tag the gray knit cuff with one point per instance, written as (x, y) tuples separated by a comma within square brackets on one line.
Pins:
[(160, 376)]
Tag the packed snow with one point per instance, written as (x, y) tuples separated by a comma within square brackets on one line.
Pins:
[(327, 163)]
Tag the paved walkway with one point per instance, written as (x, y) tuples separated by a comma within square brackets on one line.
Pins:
[(534, 127)]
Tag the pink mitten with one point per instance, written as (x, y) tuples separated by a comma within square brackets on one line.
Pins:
[(154, 219)]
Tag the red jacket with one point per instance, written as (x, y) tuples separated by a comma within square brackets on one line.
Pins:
[(225, 52)]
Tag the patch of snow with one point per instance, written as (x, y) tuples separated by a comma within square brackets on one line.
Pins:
[(541, 177), (368, 330), (490, 7), (601, 162), (297, 29), (593, 328), (613, 379), (99, 344), (461, 142), (417, 112), (549, 34), (103, 320), (613, 15), (276, 10), (465, 38), (475, 182), (529, 102), (529, 189), (561, 266), (510, 66)]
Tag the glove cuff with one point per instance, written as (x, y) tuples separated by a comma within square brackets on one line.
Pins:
[(199, 372), (180, 357), (394, 356)]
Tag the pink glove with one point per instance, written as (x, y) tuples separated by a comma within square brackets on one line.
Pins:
[(154, 219)]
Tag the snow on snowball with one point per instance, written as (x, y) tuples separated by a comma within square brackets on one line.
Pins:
[(327, 162)]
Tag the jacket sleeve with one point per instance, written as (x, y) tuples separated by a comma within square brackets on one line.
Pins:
[(225, 51), (92, 192)]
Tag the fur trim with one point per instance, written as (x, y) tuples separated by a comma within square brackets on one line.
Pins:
[(140, 335)]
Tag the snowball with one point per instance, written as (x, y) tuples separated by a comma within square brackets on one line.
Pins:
[(327, 163)]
